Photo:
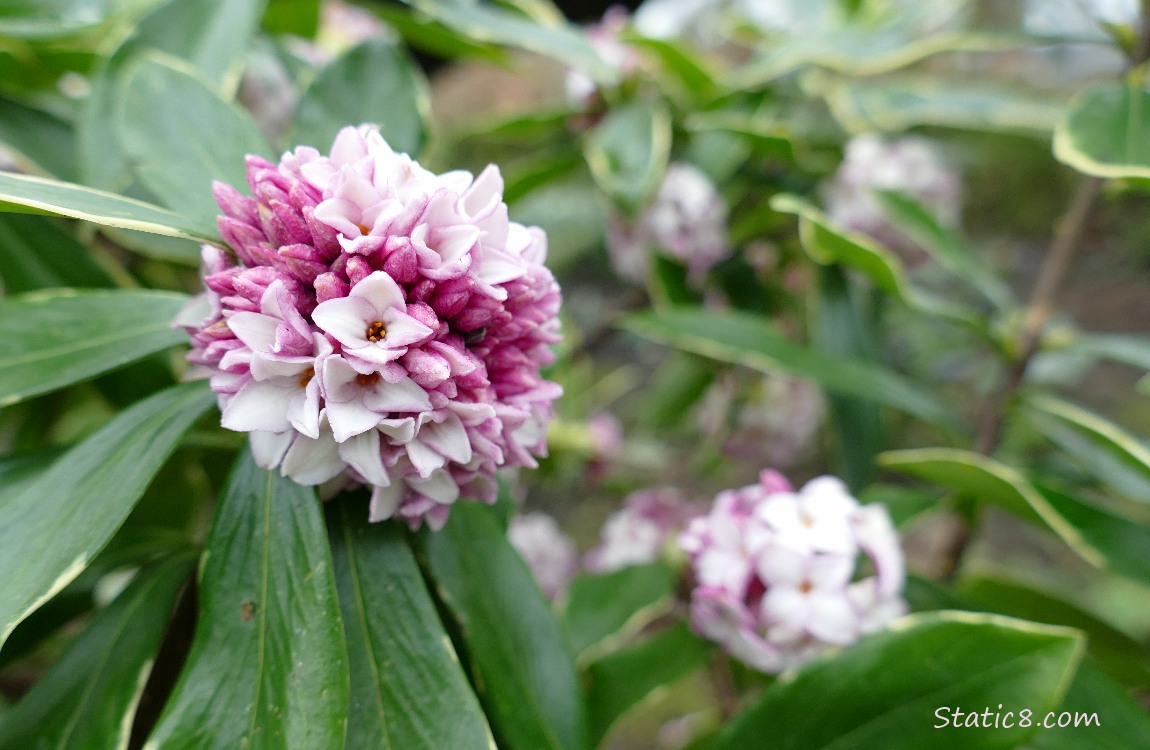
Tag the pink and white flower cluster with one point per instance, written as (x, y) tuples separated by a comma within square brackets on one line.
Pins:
[(776, 580), (374, 322), (549, 553), (687, 221), (912, 165), (638, 533)]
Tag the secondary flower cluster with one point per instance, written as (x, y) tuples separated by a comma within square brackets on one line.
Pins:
[(375, 321), (776, 575), (638, 532)]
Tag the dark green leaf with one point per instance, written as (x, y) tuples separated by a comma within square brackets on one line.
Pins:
[(405, 676), (1093, 437), (1116, 651), (53, 526), (1100, 537), (87, 699), (487, 23), (887, 690), (42, 138), (372, 83), (840, 329), (750, 340), (165, 119), (826, 244), (212, 35), (35, 253), (604, 609), (55, 339), (268, 667), (25, 194), (628, 151), (1109, 718), (943, 245), (299, 17), (621, 680), (437, 39), (1106, 131), (524, 671)]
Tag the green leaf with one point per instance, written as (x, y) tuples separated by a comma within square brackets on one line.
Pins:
[(88, 698), (620, 681), (766, 137), (268, 667), (405, 676), (751, 341), (488, 23), (840, 328), (899, 103), (905, 504), (1105, 449), (604, 609), (523, 670), (1116, 721), (56, 524), (434, 38), (372, 83), (1112, 649), (42, 138), (299, 17), (35, 253), (1125, 348), (1106, 131), (628, 151), (886, 691), (25, 194), (180, 135), (690, 71), (859, 51), (571, 215), (826, 244), (212, 35), (1100, 537), (943, 245), (58, 338), (50, 19)]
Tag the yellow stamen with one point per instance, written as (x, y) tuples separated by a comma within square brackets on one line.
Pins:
[(369, 379), (376, 331)]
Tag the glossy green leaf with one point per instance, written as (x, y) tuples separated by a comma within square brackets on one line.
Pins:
[(628, 151), (898, 103), (268, 666), (42, 138), (751, 341), (886, 691), (943, 245), (1109, 718), (524, 671), (35, 253), (405, 676), (1106, 132), (827, 244), (621, 680), (1100, 537), (53, 526), (58, 338), (374, 82), (87, 699), (167, 109), (859, 51), (604, 609), (1121, 449), (1111, 648), (299, 17), (26, 194), (839, 327), (488, 23), (211, 35)]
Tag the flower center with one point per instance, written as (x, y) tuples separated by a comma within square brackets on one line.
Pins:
[(365, 380), (806, 587), (364, 228), (306, 377), (376, 331)]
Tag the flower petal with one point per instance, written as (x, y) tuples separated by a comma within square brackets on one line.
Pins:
[(259, 405), (346, 318), (404, 396), (381, 291)]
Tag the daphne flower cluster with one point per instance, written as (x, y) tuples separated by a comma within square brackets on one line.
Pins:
[(604, 36), (374, 322), (776, 576), (911, 165), (687, 221), (638, 533)]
